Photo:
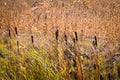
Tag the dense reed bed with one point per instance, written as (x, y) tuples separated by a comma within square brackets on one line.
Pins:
[(59, 40)]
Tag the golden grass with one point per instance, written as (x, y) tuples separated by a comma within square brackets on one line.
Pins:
[(45, 59)]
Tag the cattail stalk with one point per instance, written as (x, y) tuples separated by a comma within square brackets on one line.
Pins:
[(75, 39), (9, 41), (16, 32), (18, 46), (76, 36), (56, 46), (94, 42), (118, 71), (32, 40), (96, 58), (97, 70), (67, 67), (79, 68), (78, 59), (65, 37), (57, 34), (9, 33), (96, 66)]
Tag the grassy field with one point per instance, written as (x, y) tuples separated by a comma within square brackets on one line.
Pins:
[(78, 62), (59, 40)]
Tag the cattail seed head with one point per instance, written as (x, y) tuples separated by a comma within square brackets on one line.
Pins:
[(65, 37), (76, 36), (57, 34), (9, 33), (32, 38), (16, 31), (94, 42)]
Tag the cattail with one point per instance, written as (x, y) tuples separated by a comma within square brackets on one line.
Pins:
[(76, 36), (32, 39), (16, 31), (94, 42), (57, 34), (65, 37), (9, 33)]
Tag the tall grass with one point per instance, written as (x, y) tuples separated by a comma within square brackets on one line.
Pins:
[(40, 64), (77, 60)]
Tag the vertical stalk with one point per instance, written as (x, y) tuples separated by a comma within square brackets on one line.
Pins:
[(16, 32), (118, 71), (110, 65), (79, 68), (32, 40), (9, 33), (76, 36), (94, 42), (9, 39), (57, 35), (65, 37), (97, 67), (67, 69), (78, 59)]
